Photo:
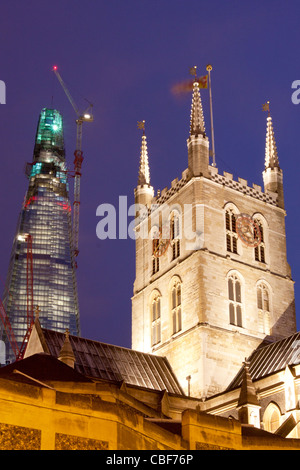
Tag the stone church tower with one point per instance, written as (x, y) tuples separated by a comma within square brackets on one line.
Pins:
[(212, 278)]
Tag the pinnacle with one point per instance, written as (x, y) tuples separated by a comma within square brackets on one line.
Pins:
[(248, 393), (197, 124), (271, 155), (144, 170)]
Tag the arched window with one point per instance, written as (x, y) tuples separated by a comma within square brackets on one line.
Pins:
[(176, 307), (231, 235), (271, 418), (175, 235), (235, 300), (263, 307), (155, 258), (155, 319), (260, 251), (155, 250)]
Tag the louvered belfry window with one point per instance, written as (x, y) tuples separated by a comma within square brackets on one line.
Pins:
[(231, 235), (235, 300)]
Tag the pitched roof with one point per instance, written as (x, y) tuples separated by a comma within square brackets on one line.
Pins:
[(117, 364), (39, 368), (267, 360)]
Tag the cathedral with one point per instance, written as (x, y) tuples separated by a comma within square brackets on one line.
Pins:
[(214, 363)]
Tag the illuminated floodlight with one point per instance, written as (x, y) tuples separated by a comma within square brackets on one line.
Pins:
[(22, 237)]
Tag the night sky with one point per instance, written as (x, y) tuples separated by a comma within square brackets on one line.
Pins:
[(124, 57)]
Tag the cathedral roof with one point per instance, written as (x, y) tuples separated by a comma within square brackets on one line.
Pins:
[(269, 359), (102, 361)]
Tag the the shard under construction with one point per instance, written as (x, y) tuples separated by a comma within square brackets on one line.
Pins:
[(46, 218)]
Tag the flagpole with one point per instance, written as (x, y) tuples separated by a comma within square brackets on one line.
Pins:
[(209, 68)]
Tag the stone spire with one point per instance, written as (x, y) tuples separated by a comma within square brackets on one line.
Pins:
[(272, 174), (271, 155), (197, 143), (197, 124), (144, 170), (144, 192)]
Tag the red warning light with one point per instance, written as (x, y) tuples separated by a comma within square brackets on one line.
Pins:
[(55, 67)]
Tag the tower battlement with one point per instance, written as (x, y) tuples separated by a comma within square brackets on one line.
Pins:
[(241, 185), (164, 195)]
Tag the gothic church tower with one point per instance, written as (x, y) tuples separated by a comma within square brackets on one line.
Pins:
[(212, 278)]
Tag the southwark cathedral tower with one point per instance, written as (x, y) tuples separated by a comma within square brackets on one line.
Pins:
[(212, 278)]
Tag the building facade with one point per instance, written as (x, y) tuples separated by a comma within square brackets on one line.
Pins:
[(46, 218), (212, 279), (73, 393)]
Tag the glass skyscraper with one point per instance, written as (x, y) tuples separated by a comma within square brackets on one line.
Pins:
[(46, 216)]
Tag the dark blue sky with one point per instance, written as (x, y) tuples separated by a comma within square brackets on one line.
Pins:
[(124, 56)]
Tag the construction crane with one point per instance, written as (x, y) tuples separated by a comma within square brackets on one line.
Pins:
[(19, 350), (86, 116)]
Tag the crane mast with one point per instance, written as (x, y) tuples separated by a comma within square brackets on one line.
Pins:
[(86, 116)]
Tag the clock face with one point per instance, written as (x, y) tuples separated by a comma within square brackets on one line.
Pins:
[(161, 242), (248, 230)]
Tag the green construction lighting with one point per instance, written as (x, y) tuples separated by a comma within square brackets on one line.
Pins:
[(50, 128)]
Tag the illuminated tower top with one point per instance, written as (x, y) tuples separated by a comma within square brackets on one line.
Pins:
[(49, 135)]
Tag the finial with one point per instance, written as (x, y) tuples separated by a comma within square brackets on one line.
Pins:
[(266, 107), (209, 68), (66, 354), (37, 312), (193, 71), (141, 125), (246, 363)]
